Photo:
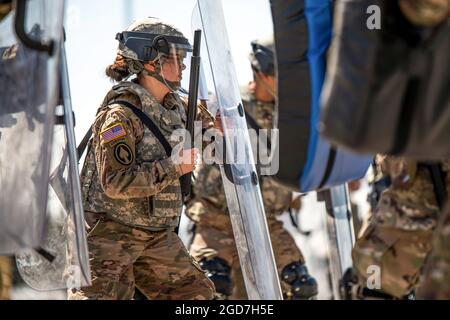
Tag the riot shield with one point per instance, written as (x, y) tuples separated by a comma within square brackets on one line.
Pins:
[(62, 261), (238, 171), (28, 95), (341, 236)]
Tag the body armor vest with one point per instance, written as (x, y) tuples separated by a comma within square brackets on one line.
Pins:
[(160, 211)]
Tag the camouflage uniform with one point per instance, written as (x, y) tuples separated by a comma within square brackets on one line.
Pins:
[(208, 209), (436, 281), (132, 198), (398, 236)]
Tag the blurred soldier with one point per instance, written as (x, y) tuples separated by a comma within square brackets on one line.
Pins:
[(397, 239), (213, 243), (131, 188), (436, 282), (5, 277)]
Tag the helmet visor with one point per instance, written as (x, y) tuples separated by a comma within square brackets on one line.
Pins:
[(173, 68)]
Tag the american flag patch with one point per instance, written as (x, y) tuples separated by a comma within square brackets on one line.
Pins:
[(113, 133)]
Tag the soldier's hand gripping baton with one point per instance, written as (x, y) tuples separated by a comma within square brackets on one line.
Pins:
[(192, 107)]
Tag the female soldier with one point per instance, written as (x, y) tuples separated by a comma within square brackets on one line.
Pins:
[(131, 188)]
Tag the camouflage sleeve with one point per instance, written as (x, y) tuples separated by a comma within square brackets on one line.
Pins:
[(121, 176)]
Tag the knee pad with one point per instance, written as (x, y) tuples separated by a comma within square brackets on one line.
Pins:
[(219, 272), (303, 286)]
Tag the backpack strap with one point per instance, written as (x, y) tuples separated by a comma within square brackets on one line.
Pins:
[(145, 120), (149, 124)]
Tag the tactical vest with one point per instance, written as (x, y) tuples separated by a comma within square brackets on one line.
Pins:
[(160, 211)]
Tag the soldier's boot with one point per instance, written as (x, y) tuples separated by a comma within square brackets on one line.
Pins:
[(352, 289), (302, 285), (219, 272)]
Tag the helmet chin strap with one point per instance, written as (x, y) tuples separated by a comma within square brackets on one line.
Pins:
[(173, 86), (137, 67)]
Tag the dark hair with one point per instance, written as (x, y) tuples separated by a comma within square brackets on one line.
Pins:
[(118, 70)]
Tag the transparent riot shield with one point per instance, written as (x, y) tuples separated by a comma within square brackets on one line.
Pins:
[(29, 38), (62, 259), (341, 236), (238, 171)]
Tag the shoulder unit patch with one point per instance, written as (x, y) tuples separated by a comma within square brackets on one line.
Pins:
[(123, 154)]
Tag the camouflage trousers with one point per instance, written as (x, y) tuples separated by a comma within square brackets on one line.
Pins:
[(397, 239), (157, 263), (214, 238), (436, 282), (5, 277)]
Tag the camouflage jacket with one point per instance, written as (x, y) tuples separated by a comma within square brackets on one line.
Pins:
[(127, 174), (208, 187)]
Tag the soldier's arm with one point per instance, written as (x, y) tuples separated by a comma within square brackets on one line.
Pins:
[(121, 176)]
